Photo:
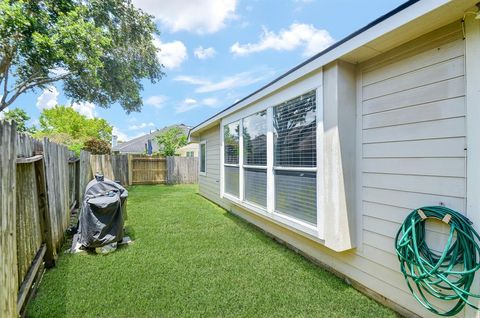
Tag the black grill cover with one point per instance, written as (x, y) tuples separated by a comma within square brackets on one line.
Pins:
[(102, 217)]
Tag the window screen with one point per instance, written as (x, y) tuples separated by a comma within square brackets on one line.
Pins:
[(294, 125), (296, 194), (232, 180), (255, 139), (231, 140), (256, 186), (202, 157)]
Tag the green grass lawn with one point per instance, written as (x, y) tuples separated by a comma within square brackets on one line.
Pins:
[(190, 258)]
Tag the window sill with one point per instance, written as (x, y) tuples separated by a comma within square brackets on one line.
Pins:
[(283, 220)]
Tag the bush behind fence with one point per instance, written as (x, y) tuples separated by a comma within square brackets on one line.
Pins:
[(40, 184)]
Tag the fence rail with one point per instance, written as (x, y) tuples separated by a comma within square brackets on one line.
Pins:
[(36, 192), (40, 183)]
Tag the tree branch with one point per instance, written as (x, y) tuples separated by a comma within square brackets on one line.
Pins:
[(26, 86)]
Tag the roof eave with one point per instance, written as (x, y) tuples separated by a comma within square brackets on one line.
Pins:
[(377, 31)]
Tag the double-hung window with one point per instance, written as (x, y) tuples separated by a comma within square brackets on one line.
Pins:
[(255, 158), (270, 161), (231, 139), (295, 158)]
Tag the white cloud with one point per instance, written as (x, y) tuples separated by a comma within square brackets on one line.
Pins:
[(229, 82), (171, 54), (48, 98), (85, 108), (297, 35), (156, 101), (120, 134), (199, 16), (141, 126), (212, 102), (189, 103), (204, 54)]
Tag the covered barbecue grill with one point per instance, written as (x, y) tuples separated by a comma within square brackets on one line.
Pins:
[(102, 217)]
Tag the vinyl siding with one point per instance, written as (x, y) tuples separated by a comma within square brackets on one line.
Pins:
[(209, 184), (412, 145), (411, 130)]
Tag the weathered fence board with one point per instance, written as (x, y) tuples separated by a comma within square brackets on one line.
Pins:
[(85, 173), (29, 235), (102, 164), (73, 176), (182, 170), (8, 242), (120, 168), (56, 174)]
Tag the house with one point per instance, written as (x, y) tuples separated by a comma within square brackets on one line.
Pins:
[(190, 150), (337, 151), (139, 145)]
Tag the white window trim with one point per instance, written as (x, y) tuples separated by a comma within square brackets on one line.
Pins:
[(236, 165), (267, 104), (200, 172)]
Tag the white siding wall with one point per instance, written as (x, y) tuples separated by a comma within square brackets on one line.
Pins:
[(413, 139), (411, 132)]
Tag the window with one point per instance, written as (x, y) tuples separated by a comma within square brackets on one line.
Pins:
[(294, 128), (255, 158), (231, 139), (203, 158), (190, 154), (270, 161)]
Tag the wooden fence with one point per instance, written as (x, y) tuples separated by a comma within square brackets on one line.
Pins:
[(140, 169), (182, 170), (147, 170), (39, 184)]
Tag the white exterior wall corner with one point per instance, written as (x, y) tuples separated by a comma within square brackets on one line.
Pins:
[(472, 77), (339, 100)]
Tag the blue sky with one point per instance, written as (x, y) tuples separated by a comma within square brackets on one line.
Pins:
[(218, 51)]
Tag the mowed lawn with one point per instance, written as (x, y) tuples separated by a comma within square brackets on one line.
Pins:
[(191, 258)]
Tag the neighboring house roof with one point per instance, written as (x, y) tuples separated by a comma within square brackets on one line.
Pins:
[(409, 20), (137, 145)]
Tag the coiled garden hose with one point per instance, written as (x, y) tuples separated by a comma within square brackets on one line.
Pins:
[(447, 275)]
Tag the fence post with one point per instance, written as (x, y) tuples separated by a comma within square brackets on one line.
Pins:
[(8, 249), (43, 211), (130, 169)]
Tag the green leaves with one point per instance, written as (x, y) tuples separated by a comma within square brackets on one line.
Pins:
[(103, 47), (171, 140), (64, 125), (20, 117)]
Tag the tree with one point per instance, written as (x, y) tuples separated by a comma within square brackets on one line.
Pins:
[(99, 49), (97, 146), (20, 117), (171, 140), (64, 125)]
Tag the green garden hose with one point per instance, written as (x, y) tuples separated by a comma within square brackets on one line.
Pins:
[(447, 275)]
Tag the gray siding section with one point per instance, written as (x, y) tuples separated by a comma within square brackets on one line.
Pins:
[(412, 145), (209, 185)]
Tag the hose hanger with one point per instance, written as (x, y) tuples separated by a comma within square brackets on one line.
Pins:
[(447, 275)]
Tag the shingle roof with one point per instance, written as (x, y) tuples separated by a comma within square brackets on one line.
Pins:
[(137, 145)]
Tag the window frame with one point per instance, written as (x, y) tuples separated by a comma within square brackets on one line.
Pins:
[(267, 104), (200, 172), (238, 165), (251, 166)]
